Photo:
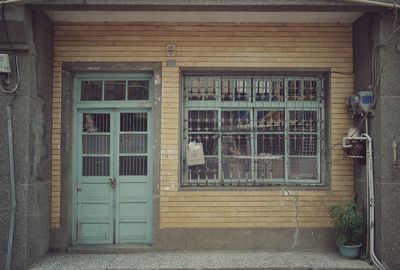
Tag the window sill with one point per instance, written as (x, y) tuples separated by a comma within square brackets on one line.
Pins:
[(271, 187)]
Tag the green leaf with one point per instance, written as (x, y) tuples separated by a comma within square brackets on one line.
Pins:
[(348, 220)]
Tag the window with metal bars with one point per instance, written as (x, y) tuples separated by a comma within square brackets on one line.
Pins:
[(252, 130)]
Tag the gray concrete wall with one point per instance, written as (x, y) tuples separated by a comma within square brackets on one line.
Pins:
[(384, 129), (388, 176), (31, 34), (363, 44)]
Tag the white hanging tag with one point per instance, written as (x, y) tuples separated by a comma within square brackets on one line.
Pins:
[(195, 154)]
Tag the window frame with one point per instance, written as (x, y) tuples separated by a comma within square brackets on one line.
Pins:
[(320, 105), (144, 76)]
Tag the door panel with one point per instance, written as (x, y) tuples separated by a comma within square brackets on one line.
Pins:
[(98, 233), (132, 232), (135, 192), (136, 211), (95, 212), (134, 182), (114, 144), (95, 197)]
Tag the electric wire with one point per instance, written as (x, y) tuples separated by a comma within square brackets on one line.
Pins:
[(3, 20), (395, 17), (391, 39), (3, 89), (14, 89), (11, 1)]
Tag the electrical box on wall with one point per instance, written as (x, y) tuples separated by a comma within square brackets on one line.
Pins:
[(360, 103), (5, 63)]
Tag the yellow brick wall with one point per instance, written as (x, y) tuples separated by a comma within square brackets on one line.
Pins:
[(227, 46)]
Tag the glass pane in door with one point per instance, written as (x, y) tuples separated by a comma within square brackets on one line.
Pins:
[(138, 90), (133, 144), (114, 90), (96, 144), (91, 90), (131, 165)]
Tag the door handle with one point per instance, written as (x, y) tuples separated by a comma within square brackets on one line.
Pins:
[(113, 181)]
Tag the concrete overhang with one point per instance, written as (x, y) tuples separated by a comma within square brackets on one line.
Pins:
[(275, 11), (205, 16), (203, 5)]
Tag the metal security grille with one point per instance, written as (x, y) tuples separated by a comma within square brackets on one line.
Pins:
[(253, 129)]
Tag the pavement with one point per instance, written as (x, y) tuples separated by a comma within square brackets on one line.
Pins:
[(209, 260)]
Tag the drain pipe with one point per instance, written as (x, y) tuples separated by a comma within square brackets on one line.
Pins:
[(371, 204), (12, 183)]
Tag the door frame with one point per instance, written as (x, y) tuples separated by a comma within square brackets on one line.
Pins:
[(114, 106)]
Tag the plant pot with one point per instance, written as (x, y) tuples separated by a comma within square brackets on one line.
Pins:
[(349, 252)]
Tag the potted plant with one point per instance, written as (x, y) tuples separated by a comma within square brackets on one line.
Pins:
[(348, 220)]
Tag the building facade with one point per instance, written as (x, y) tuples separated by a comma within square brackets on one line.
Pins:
[(189, 126)]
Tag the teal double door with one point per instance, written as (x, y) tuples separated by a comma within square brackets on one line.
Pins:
[(114, 189)]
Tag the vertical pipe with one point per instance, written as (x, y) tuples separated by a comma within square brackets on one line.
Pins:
[(368, 150), (371, 204), (12, 185)]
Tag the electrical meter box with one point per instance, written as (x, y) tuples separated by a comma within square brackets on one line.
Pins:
[(360, 103), (5, 63), (366, 100)]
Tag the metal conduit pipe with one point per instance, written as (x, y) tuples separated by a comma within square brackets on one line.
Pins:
[(10, 1), (371, 205), (12, 184), (376, 3)]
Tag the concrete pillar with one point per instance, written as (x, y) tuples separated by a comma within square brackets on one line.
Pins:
[(384, 129), (31, 34)]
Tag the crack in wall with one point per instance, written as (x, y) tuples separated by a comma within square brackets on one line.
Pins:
[(296, 205)]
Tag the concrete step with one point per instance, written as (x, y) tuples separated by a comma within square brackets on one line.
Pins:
[(221, 260), (109, 249)]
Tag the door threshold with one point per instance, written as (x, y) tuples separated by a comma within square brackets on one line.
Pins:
[(109, 249)]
